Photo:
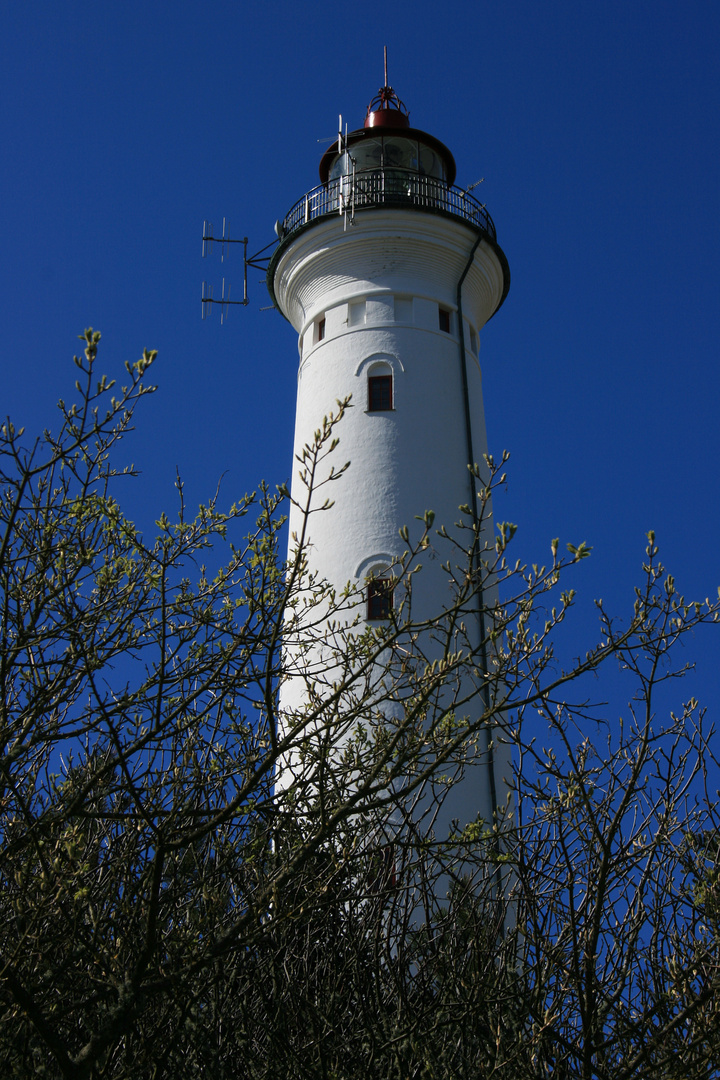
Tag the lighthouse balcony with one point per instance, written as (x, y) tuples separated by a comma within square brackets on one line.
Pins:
[(398, 188)]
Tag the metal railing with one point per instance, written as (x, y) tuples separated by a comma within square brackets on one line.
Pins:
[(386, 187)]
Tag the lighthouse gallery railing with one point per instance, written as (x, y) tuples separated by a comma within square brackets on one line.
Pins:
[(386, 187)]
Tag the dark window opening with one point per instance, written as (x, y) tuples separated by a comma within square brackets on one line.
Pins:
[(383, 869), (444, 320), (380, 396), (321, 329), (379, 598)]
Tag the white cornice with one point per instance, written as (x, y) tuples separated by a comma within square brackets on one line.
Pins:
[(388, 250)]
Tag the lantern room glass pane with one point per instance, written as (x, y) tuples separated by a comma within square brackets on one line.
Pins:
[(400, 153), (367, 154), (431, 164), (339, 167)]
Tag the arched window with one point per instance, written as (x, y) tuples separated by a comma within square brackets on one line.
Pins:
[(380, 393), (379, 598), (380, 388), (380, 373)]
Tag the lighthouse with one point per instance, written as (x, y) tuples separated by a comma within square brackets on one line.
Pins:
[(388, 271)]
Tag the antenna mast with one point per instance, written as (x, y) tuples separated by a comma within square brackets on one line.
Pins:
[(259, 261)]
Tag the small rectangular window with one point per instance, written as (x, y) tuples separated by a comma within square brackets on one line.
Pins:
[(444, 320), (321, 329), (379, 599), (380, 395)]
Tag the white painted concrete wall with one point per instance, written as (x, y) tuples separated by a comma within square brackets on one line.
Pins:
[(378, 284)]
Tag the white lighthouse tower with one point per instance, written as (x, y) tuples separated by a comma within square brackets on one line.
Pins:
[(388, 272)]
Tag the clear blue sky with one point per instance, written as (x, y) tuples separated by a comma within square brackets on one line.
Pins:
[(596, 129)]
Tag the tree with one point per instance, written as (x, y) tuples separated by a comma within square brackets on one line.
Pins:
[(621, 958), (167, 910)]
